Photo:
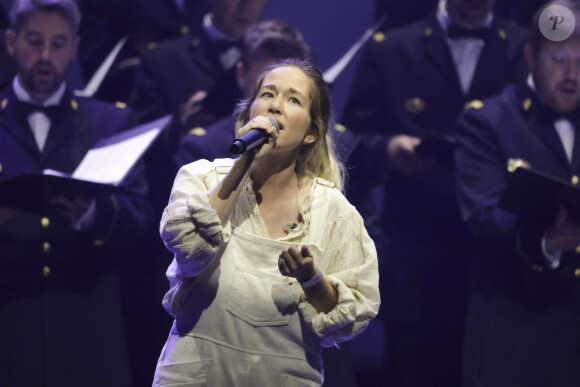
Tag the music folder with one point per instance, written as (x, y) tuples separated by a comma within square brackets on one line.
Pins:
[(438, 146), (101, 171), (538, 195)]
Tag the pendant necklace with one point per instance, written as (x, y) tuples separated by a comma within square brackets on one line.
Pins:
[(288, 227)]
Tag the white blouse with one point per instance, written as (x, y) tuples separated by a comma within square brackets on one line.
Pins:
[(192, 231)]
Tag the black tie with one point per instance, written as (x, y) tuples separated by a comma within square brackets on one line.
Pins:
[(455, 31), (27, 109)]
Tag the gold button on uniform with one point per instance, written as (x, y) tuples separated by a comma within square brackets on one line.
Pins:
[(45, 222), (46, 271), (577, 273), (502, 34), (575, 179), (46, 247), (415, 105)]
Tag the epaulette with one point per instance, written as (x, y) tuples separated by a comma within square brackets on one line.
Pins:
[(475, 104)]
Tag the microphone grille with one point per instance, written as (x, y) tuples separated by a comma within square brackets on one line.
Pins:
[(275, 124)]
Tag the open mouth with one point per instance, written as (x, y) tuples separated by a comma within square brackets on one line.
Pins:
[(43, 72), (568, 90)]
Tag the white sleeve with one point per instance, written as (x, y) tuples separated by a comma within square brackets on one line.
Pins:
[(189, 227), (350, 261)]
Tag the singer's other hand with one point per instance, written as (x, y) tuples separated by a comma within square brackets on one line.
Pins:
[(260, 123), (401, 150), (297, 263)]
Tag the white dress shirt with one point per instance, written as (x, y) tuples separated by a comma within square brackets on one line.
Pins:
[(465, 51), (566, 130), (38, 121)]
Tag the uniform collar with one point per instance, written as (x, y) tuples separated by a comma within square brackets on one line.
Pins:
[(24, 96)]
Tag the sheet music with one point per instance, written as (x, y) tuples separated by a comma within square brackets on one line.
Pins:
[(111, 163), (99, 75), (336, 69)]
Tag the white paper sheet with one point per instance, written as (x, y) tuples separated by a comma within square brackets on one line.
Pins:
[(111, 163)]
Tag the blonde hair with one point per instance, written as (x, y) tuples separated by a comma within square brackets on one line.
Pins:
[(319, 157)]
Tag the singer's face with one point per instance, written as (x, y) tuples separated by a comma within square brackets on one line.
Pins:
[(43, 50), (285, 96)]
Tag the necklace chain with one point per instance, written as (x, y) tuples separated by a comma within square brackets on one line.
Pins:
[(292, 225)]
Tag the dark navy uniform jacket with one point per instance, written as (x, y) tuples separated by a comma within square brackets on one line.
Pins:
[(207, 143), (143, 23), (61, 321), (524, 321), (173, 71), (166, 77), (407, 83)]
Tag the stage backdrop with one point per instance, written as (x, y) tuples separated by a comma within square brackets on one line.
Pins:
[(331, 28)]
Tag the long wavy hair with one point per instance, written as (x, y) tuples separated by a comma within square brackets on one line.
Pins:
[(319, 157)]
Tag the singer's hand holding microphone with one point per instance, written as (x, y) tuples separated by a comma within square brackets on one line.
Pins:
[(260, 130)]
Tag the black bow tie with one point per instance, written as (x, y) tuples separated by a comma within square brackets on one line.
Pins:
[(455, 31), (27, 109), (551, 116), (573, 117)]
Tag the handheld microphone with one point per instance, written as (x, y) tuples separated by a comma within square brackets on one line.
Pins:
[(251, 139)]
